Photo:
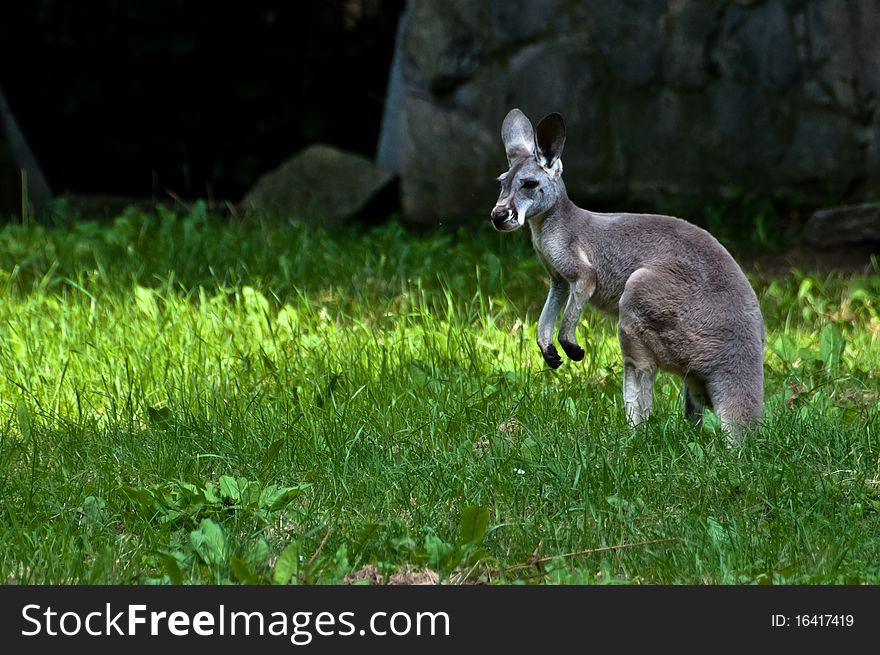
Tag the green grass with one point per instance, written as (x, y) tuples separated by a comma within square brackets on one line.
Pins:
[(183, 400)]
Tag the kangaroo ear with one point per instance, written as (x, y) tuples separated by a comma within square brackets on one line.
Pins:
[(518, 136), (550, 139)]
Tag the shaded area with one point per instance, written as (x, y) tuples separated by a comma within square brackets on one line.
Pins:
[(197, 97)]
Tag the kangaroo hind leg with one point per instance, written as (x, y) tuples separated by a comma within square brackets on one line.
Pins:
[(695, 400), (738, 404), (639, 369)]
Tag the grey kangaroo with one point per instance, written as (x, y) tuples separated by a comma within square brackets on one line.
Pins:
[(683, 303)]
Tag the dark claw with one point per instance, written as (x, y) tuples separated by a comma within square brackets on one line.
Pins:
[(573, 350), (552, 357)]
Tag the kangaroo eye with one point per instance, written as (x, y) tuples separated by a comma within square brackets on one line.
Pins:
[(530, 184)]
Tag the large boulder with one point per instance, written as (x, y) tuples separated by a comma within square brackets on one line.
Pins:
[(664, 99), (321, 184), (843, 226), (452, 183)]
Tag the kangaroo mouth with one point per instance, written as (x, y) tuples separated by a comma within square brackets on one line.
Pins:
[(507, 223)]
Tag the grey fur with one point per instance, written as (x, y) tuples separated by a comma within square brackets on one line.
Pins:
[(683, 303)]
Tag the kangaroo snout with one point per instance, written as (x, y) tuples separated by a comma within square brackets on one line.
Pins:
[(503, 218)]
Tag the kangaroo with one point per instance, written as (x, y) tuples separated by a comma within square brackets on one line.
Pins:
[(683, 303)]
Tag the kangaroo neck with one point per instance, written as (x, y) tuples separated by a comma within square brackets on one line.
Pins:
[(561, 211)]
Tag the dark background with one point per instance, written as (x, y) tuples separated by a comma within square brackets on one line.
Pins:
[(199, 98)]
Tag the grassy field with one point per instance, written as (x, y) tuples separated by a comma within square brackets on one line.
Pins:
[(186, 400)]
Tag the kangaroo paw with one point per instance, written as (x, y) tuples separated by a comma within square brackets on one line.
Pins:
[(551, 357), (573, 350)]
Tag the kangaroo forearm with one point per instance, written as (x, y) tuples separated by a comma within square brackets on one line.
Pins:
[(570, 319), (552, 307), (581, 292)]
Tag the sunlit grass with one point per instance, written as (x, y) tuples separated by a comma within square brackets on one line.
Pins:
[(184, 400)]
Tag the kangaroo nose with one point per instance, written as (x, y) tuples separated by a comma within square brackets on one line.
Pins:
[(500, 213)]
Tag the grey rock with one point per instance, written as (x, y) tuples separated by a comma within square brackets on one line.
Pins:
[(388, 148), (448, 158), (15, 156), (757, 45), (444, 43), (630, 35), (750, 128), (846, 225), (826, 152), (556, 75), (320, 183), (690, 26), (525, 20), (659, 158), (844, 52), (872, 178), (693, 98)]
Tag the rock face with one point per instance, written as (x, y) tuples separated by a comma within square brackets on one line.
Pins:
[(840, 226), (320, 184), (15, 156), (664, 99)]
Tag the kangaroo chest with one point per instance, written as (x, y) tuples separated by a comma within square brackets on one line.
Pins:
[(547, 248), (567, 258), (561, 255)]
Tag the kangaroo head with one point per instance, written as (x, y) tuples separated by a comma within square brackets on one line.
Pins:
[(533, 183)]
